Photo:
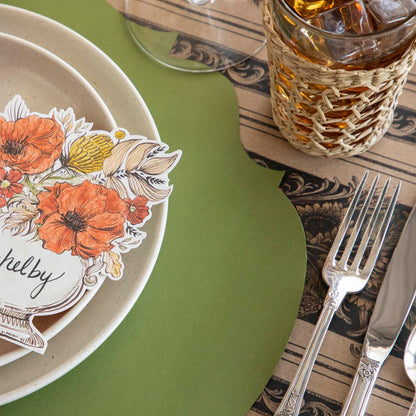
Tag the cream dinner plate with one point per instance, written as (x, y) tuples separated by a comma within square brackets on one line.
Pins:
[(45, 74), (46, 83)]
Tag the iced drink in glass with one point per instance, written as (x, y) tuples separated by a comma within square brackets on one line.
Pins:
[(341, 37)]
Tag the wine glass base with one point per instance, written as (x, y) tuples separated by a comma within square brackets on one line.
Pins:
[(204, 37)]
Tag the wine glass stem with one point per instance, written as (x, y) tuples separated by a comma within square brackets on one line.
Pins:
[(199, 2)]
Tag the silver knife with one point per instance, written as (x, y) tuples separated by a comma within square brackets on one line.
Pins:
[(394, 301)]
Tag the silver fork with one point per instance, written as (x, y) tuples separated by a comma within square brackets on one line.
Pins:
[(343, 276)]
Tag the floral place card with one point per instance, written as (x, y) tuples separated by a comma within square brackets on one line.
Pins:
[(73, 200)]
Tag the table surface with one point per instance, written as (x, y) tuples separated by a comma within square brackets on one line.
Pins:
[(318, 189)]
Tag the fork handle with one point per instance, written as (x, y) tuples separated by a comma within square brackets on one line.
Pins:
[(292, 401), (361, 387), (412, 409)]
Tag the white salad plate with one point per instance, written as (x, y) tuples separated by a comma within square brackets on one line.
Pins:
[(75, 334), (47, 82)]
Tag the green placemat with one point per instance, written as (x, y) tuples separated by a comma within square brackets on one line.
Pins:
[(206, 333)]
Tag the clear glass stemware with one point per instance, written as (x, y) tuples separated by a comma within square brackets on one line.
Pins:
[(196, 35)]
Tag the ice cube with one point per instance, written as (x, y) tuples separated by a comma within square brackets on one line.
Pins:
[(349, 18), (386, 12)]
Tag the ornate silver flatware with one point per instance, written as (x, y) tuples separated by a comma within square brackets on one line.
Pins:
[(394, 301), (344, 275)]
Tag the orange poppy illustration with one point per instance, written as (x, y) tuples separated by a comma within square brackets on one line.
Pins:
[(137, 210), (31, 144), (9, 184), (83, 219)]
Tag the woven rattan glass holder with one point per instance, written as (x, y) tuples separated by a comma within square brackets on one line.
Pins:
[(331, 112)]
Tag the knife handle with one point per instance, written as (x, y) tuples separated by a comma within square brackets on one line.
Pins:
[(292, 402), (361, 388)]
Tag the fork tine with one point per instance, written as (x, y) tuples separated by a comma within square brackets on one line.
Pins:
[(370, 227), (381, 235), (358, 225), (347, 218)]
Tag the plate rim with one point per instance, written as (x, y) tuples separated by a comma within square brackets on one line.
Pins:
[(162, 209)]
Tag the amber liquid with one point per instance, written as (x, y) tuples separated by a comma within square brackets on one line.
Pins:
[(307, 9), (315, 48)]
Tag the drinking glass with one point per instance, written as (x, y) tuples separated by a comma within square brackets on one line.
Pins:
[(337, 69), (196, 35)]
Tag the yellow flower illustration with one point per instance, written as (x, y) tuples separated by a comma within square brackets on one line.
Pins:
[(120, 134), (87, 154)]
